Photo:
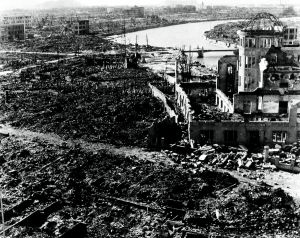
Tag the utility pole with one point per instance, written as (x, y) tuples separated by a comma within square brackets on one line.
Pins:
[(124, 36), (147, 41), (2, 211), (136, 45)]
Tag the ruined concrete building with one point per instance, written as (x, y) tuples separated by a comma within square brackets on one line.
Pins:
[(11, 32), (14, 27), (258, 90), (81, 27), (134, 12), (18, 19)]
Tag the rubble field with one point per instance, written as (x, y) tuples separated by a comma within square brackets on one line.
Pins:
[(72, 44), (113, 106), (11, 61), (61, 190), (70, 190), (63, 44), (234, 158)]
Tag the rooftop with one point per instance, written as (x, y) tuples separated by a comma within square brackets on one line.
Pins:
[(264, 22)]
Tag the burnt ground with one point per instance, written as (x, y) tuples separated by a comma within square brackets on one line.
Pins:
[(100, 109), (74, 175), (120, 194)]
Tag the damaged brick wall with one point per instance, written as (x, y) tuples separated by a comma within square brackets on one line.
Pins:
[(244, 131), (223, 102), (270, 103), (183, 102), (160, 95)]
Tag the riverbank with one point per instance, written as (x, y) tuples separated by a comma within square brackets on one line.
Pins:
[(142, 28), (227, 32)]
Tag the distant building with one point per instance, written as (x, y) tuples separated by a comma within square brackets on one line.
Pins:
[(185, 8), (135, 12), (291, 43), (180, 9), (81, 27), (10, 20), (11, 32), (114, 10), (178, 2), (290, 36)]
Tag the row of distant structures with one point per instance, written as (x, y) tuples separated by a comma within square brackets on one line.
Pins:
[(21, 24), (14, 27), (139, 12)]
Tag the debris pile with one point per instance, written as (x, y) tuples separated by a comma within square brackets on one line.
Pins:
[(218, 156), (59, 190), (207, 111), (252, 208)]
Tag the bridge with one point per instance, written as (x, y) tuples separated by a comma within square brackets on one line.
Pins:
[(202, 51)]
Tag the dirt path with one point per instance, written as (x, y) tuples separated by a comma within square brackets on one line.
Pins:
[(287, 181), (140, 153)]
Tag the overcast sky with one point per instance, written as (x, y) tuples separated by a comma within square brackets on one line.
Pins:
[(10, 4)]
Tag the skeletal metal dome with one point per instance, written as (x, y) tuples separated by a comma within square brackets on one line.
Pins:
[(264, 21)]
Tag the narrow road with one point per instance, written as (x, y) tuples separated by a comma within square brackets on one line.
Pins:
[(140, 153), (36, 53)]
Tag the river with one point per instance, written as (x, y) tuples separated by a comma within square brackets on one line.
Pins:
[(180, 36), (185, 36)]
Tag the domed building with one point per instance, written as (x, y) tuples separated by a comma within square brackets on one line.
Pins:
[(261, 83)]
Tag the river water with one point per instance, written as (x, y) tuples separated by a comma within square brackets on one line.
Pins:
[(190, 35), (185, 36)]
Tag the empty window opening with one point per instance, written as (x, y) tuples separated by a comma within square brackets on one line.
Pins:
[(283, 107), (298, 136), (279, 136), (206, 136), (230, 136), (284, 85), (247, 107)]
